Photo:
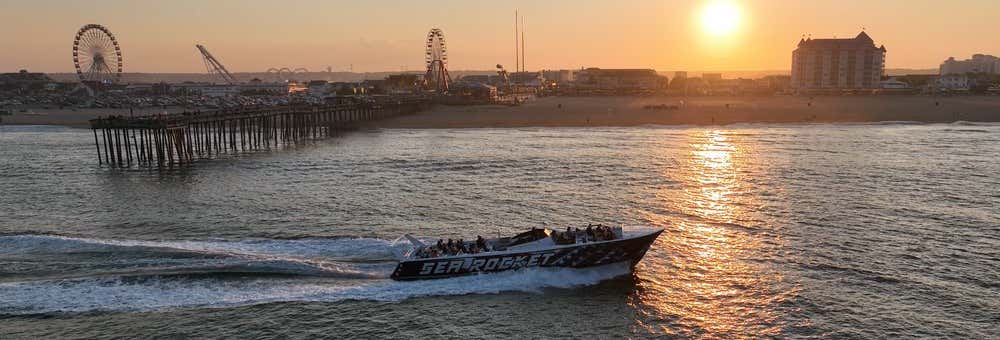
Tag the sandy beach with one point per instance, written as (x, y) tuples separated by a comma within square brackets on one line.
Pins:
[(630, 111), (72, 117)]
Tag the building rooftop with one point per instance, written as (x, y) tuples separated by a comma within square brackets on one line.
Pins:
[(621, 72), (862, 40), (24, 76)]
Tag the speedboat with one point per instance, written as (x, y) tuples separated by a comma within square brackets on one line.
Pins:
[(574, 248)]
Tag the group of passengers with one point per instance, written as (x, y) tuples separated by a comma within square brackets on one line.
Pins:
[(593, 233), (454, 247)]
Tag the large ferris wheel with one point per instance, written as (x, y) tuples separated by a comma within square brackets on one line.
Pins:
[(437, 77), (96, 55)]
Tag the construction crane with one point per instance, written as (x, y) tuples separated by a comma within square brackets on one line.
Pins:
[(215, 67)]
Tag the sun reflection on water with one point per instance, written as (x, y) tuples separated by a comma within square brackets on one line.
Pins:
[(707, 283)]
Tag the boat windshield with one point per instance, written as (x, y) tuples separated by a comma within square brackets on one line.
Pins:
[(528, 236)]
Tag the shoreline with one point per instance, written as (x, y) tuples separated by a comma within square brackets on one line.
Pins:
[(703, 111), (630, 111)]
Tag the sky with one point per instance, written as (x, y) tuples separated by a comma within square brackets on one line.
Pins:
[(377, 36)]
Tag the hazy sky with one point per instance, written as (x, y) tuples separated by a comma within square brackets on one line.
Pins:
[(251, 35)]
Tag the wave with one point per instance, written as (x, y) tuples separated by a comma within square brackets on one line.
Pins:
[(968, 123), (119, 294), (895, 122), (967, 130)]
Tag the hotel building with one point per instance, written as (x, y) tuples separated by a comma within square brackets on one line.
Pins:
[(980, 63), (838, 64)]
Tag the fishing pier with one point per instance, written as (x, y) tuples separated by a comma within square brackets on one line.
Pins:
[(167, 140)]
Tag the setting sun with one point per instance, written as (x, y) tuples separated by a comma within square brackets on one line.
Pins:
[(720, 17)]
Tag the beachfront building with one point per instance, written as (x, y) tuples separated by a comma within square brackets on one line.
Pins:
[(259, 87), (712, 77), (206, 89), (775, 83), (488, 79), (318, 88), (620, 79), (952, 82), (893, 84), (24, 78), (558, 76), (473, 93), (527, 79), (403, 84), (980, 63), (825, 64)]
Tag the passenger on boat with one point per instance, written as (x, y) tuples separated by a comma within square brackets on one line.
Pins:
[(604, 233), (481, 243), (566, 237)]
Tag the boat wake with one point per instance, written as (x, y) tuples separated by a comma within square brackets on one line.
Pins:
[(42, 274), (35, 257)]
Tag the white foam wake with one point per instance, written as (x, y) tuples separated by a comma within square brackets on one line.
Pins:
[(121, 294), (84, 257), (362, 248)]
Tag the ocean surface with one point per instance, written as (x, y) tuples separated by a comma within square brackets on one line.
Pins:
[(888, 230)]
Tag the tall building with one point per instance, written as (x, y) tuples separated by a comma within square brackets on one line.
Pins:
[(980, 63), (838, 63)]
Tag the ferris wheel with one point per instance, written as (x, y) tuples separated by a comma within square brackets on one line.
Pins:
[(437, 77), (436, 48), (96, 55)]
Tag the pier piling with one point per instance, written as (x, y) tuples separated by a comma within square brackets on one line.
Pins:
[(168, 140)]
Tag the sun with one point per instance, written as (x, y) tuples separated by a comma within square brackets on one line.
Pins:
[(720, 18)]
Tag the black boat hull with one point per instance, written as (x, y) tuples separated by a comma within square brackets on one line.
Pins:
[(573, 256)]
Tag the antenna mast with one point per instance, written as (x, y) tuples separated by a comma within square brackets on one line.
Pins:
[(215, 67), (517, 55), (524, 64)]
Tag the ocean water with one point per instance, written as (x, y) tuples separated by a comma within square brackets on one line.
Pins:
[(819, 231)]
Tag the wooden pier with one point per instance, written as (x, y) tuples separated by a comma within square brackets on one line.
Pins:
[(181, 138)]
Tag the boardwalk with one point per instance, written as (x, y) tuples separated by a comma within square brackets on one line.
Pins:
[(182, 138)]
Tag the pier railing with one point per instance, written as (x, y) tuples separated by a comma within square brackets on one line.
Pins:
[(167, 140)]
